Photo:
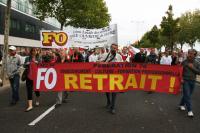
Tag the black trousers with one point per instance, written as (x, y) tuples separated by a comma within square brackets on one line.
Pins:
[(29, 87), (111, 99)]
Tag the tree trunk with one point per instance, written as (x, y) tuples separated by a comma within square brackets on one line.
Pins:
[(6, 35), (181, 46), (172, 48), (192, 46), (61, 26), (171, 43)]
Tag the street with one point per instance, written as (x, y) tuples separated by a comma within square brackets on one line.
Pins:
[(137, 112)]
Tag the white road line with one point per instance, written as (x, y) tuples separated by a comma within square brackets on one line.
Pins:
[(42, 116)]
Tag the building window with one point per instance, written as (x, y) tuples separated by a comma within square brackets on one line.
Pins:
[(30, 28), (26, 7), (20, 5), (3, 1), (14, 24)]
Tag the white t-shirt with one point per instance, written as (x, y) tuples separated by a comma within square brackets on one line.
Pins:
[(118, 58), (93, 58), (166, 60)]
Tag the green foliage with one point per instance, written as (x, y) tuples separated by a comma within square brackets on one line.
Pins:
[(77, 13), (151, 39), (170, 28), (185, 29), (145, 42), (164, 41), (182, 35), (91, 14), (190, 28), (196, 22), (153, 35)]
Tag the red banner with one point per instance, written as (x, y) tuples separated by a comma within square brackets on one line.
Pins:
[(107, 77)]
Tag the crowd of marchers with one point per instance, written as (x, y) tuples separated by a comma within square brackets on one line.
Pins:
[(191, 68)]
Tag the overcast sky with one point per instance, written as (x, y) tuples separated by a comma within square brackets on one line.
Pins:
[(135, 17)]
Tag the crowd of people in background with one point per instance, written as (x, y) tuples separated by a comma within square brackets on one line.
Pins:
[(97, 54)]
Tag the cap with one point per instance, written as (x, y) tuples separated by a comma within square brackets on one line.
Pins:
[(12, 48)]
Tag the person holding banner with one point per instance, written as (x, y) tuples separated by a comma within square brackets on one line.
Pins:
[(152, 58), (140, 57), (125, 54), (191, 68), (46, 56), (76, 56), (61, 96), (112, 56), (85, 55), (174, 58), (95, 56), (31, 59), (166, 59), (102, 53)]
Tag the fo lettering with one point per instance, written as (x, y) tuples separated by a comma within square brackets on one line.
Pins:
[(44, 75), (60, 38)]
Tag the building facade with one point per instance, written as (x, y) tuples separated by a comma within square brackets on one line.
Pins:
[(24, 26)]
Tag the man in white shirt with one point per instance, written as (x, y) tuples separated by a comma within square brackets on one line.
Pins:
[(166, 59), (112, 56), (95, 56)]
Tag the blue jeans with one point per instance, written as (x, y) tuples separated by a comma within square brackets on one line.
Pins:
[(14, 82), (188, 88)]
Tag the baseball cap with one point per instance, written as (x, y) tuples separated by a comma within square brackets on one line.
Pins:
[(12, 48)]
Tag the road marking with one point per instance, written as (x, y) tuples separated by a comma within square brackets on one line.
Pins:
[(42, 116)]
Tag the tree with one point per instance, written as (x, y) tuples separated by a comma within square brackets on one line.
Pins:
[(170, 28), (189, 25), (181, 38), (91, 14), (183, 33), (196, 23), (77, 13), (59, 9), (151, 39), (153, 36), (145, 42), (6, 35)]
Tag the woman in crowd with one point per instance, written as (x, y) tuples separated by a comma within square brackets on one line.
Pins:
[(62, 96), (31, 59)]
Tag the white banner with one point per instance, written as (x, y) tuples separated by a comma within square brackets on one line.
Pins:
[(78, 37)]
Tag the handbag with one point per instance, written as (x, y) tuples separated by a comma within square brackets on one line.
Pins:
[(24, 75)]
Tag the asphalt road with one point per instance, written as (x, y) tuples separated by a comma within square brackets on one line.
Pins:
[(137, 112)]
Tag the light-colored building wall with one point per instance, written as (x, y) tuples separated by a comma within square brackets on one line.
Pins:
[(26, 7)]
